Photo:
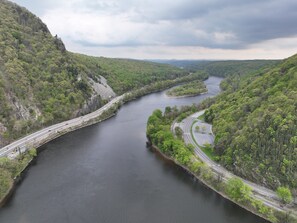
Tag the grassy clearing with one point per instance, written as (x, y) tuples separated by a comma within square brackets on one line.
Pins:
[(201, 117), (209, 151)]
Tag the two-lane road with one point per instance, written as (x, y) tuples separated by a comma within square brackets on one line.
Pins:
[(47, 133)]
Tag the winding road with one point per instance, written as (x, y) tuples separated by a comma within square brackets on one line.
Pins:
[(40, 137), (266, 195)]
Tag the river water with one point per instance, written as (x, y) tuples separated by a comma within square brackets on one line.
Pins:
[(105, 173)]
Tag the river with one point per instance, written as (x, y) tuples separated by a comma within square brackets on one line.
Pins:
[(104, 173)]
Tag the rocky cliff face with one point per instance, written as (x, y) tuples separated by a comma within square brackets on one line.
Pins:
[(94, 103), (40, 83)]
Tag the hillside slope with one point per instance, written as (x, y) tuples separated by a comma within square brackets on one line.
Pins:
[(255, 123), (38, 81), (126, 74), (41, 83), (234, 67), (223, 68)]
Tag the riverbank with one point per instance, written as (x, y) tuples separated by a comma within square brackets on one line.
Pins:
[(206, 136), (93, 167), (77, 122), (15, 182), (20, 175), (163, 85), (12, 172), (107, 111), (186, 96), (56, 130), (212, 187), (160, 135), (193, 88)]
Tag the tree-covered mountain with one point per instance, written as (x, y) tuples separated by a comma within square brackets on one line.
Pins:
[(255, 123), (126, 74), (234, 67), (41, 83), (38, 82), (222, 68)]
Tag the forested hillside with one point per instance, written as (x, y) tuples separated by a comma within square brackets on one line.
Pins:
[(234, 67), (41, 83), (125, 74), (255, 123), (223, 68)]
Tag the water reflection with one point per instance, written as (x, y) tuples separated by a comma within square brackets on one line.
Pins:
[(105, 173)]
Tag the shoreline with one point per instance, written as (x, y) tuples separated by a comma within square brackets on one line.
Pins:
[(18, 179), (124, 98), (185, 96), (13, 187), (188, 171)]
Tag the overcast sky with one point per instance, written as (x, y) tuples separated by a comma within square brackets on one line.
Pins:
[(173, 29)]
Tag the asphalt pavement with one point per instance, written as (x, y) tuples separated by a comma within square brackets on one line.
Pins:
[(36, 139)]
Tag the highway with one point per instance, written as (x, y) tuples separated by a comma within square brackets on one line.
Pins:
[(266, 195), (38, 138)]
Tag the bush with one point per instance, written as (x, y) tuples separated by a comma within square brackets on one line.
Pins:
[(284, 194), (237, 190)]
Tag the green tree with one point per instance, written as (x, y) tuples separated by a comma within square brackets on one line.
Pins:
[(284, 194), (167, 110), (178, 132), (237, 190)]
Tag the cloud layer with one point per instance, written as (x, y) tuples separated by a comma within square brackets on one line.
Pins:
[(163, 25)]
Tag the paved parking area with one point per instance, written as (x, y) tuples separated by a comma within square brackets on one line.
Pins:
[(202, 134)]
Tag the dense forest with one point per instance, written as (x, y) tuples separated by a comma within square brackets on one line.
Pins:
[(41, 83), (38, 83), (233, 67), (223, 68), (255, 124), (126, 74)]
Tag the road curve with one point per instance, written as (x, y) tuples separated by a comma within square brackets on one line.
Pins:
[(12, 150), (266, 195)]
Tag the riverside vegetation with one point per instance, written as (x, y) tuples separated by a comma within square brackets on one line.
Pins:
[(11, 169), (189, 89), (160, 85), (160, 135)]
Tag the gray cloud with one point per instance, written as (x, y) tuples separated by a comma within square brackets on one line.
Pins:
[(36, 6), (225, 24)]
